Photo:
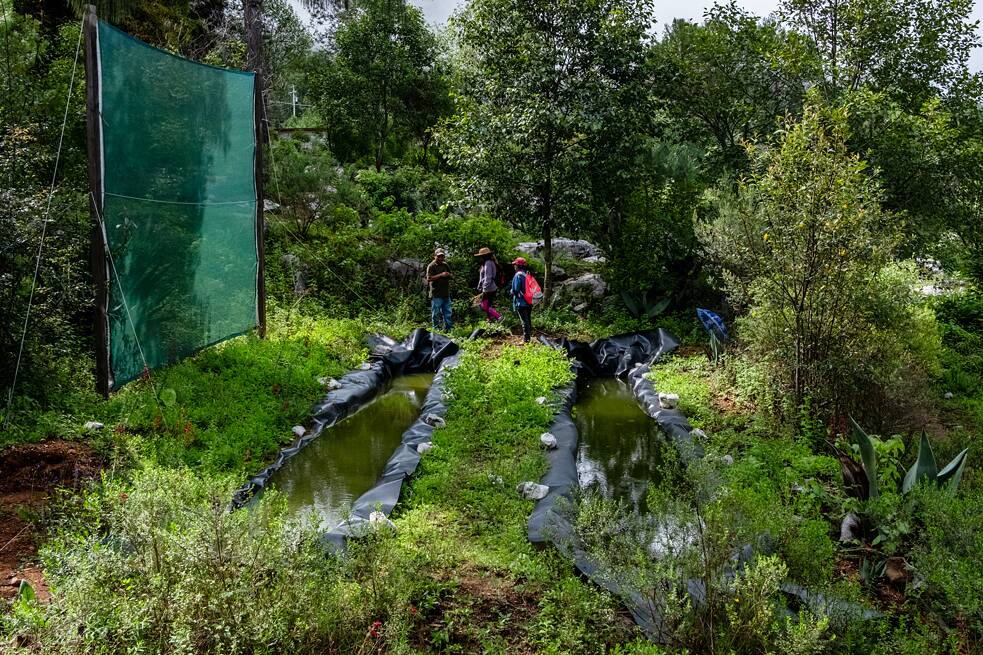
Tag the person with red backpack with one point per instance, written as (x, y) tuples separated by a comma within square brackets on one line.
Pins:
[(525, 294)]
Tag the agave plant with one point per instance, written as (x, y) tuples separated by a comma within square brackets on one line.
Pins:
[(924, 467), (644, 305)]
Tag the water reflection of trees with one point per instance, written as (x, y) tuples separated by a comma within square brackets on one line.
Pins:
[(345, 461), (179, 205), (621, 450)]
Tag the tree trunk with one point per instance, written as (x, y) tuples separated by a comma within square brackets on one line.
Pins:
[(548, 258)]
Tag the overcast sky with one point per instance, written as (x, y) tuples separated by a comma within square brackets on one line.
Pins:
[(437, 11)]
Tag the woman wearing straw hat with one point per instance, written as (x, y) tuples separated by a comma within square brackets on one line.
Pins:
[(486, 283)]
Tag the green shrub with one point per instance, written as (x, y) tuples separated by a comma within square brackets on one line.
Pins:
[(161, 566), (948, 557), (806, 247)]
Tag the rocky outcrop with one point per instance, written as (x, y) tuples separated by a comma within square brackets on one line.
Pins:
[(581, 291), (569, 248), (407, 274)]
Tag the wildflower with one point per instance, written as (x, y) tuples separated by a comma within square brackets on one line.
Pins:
[(412, 610), (374, 630), (123, 496)]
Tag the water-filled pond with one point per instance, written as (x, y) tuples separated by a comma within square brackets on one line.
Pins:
[(621, 449), (348, 458)]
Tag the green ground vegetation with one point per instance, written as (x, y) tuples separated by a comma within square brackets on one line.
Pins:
[(836, 230)]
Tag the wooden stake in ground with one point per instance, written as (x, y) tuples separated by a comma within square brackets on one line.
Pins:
[(253, 18), (97, 250)]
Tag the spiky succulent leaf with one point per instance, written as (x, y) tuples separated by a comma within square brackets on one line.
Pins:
[(657, 308), (924, 467), (953, 472), (868, 457), (633, 305)]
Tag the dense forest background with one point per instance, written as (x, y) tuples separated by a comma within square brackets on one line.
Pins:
[(815, 177)]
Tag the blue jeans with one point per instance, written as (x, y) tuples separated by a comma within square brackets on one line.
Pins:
[(440, 308)]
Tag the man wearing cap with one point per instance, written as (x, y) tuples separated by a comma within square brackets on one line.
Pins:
[(439, 277)]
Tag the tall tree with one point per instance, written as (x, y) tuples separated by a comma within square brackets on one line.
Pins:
[(383, 54), (549, 95), (731, 78), (916, 47)]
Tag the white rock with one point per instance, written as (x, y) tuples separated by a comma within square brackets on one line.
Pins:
[(948, 395), (532, 491), (698, 434), (366, 367), (496, 479), (582, 290), (548, 439), (570, 248), (298, 430), (330, 383), (850, 527), (728, 460), (379, 519), (424, 447), (668, 400), (434, 421), (94, 425), (542, 400)]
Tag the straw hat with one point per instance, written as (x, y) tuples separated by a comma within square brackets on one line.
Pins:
[(483, 251)]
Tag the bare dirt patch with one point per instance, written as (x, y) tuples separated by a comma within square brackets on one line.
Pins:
[(28, 475), (484, 606)]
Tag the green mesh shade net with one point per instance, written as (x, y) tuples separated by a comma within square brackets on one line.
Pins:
[(179, 203)]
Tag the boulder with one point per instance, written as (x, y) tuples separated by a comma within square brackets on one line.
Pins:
[(583, 290), (569, 248), (298, 430), (300, 283), (698, 434), (850, 528), (94, 425), (548, 439), (329, 383), (424, 448), (532, 491), (406, 273), (542, 400), (365, 367)]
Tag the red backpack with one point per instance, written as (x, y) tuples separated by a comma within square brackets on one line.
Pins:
[(533, 293)]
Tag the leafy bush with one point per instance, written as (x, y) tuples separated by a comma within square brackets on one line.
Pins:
[(947, 558), (407, 187), (805, 246), (161, 565)]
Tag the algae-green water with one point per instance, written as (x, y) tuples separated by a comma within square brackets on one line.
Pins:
[(323, 479), (621, 449)]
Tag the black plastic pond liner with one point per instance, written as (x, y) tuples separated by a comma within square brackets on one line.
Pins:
[(631, 356), (421, 352), (626, 356), (615, 356), (401, 465)]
